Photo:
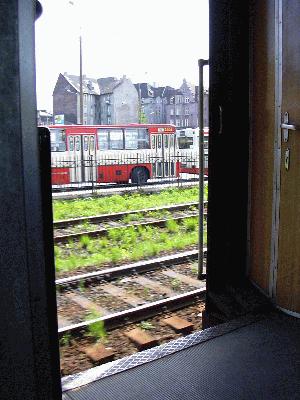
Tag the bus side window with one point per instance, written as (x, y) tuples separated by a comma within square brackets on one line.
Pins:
[(116, 139), (171, 138), (92, 144), (71, 143), (143, 139), (159, 141), (102, 139), (86, 143), (153, 142), (131, 139), (77, 143), (166, 141)]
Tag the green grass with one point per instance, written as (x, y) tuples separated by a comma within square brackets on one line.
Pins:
[(65, 340), (97, 329), (65, 209), (126, 244), (172, 226), (175, 283), (146, 326)]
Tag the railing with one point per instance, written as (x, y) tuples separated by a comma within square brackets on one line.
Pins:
[(125, 171)]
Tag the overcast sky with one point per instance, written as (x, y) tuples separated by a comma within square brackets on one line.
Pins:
[(148, 41)]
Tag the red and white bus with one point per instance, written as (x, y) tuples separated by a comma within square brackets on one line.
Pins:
[(112, 153)]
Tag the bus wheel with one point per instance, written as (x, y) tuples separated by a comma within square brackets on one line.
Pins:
[(139, 175)]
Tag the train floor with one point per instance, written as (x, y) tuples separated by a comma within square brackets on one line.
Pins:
[(254, 357)]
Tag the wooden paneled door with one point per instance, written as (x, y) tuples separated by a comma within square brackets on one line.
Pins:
[(286, 284), (274, 246)]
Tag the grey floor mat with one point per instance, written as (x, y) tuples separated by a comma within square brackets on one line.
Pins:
[(257, 361)]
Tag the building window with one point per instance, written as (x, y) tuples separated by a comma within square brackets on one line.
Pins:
[(186, 122), (177, 111), (108, 120), (172, 121), (187, 100), (186, 111), (171, 100), (171, 111), (177, 122)]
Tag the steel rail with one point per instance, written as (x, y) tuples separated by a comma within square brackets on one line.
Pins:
[(119, 215), (127, 269), (139, 313), (104, 231)]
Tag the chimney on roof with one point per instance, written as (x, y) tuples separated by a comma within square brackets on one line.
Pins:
[(124, 77)]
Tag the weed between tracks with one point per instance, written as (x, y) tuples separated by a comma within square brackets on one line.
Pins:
[(97, 329), (104, 205), (127, 244)]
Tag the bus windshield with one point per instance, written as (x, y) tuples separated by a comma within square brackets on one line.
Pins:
[(58, 140)]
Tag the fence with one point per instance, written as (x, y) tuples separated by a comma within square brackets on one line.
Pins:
[(125, 172)]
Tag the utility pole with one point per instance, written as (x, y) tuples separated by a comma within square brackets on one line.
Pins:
[(139, 105), (163, 121), (80, 81)]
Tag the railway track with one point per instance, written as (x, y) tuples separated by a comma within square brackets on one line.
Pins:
[(130, 298), (141, 305), (129, 293), (64, 230), (117, 216)]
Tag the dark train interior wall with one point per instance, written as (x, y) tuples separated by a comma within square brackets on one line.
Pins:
[(29, 359)]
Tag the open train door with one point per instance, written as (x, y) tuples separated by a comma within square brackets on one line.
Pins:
[(274, 264)]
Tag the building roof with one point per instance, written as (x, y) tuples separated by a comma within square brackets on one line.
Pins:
[(44, 113), (146, 91), (89, 85), (107, 85)]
